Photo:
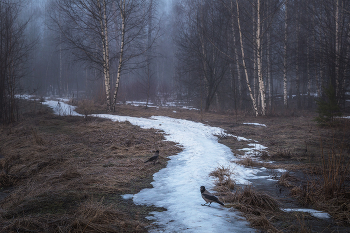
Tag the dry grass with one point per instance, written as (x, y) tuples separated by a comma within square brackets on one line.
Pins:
[(224, 180), (249, 197), (253, 204), (81, 161), (59, 168), (256, 206), (286, 180), (85, 107)]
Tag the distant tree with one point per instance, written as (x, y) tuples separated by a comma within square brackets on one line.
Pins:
[(14, 54), (200, 42), (327, 106)]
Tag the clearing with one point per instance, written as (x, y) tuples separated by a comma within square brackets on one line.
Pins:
[(67, 173)]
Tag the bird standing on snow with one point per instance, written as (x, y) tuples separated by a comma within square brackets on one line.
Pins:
[(154, 158), (208, 197)]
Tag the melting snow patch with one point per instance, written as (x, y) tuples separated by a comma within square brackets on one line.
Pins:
[(253, 149), (61, 108), (176, 187), (315, 213), (281, 170), (128, 196), (257, 124)]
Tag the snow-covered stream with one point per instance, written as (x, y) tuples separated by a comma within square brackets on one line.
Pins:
[(176, 187)]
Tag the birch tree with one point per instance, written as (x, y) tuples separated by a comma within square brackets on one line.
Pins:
[(83, 25), (255, 108), (134, 19)]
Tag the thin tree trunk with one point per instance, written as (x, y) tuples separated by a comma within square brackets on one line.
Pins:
[(285, 90), (297, 72), (308, 74), (204, 58), (244, 64), (270, 87), (106, 73), (259, 62), (239, 78), (122, 14), (337, 50)]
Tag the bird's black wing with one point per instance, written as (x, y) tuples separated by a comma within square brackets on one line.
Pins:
[(212, 198), (152, 158)]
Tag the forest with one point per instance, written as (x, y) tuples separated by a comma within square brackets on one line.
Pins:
[(253, 56), (249, 98)]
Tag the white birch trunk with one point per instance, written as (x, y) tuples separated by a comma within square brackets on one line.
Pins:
[(259, 62), (244, 64), (120, 62), (106, 73)]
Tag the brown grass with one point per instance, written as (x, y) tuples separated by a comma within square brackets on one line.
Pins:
[(59, 168), (248, 196), (224, 178), (109, 160), (255, 206)]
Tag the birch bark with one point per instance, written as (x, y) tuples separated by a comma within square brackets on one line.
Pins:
[(120, 62), (259, 61), (104, 33), (244, 64)]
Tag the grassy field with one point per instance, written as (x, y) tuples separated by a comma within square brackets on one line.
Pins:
[(67, 174)]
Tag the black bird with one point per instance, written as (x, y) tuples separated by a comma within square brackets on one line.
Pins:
[(154, 158), (208, 197)]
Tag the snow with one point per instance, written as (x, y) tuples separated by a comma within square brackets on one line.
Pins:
[(165, 104), (257, 124), (176, 187), (315, 213), (253, 150), (61, 108)]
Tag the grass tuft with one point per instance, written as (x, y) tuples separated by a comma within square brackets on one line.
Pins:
[(224, 178)]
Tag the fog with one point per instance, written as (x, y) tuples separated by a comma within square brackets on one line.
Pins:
[(224, 56)]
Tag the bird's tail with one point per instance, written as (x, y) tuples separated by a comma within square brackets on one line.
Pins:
[(220, 203)]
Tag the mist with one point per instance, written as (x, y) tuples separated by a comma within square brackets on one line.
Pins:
[(223, 56)]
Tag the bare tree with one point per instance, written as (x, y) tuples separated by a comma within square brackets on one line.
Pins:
[(14, 53), (197, 52), (136, 17), (84, 25)]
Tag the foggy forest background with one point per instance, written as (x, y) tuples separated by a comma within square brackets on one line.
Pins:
[(256, 56)]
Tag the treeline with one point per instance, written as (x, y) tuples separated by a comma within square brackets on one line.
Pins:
[(262, 55), (251, 55)]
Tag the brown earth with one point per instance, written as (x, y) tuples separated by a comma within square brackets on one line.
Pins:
[(66, 174)]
